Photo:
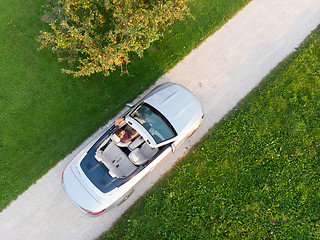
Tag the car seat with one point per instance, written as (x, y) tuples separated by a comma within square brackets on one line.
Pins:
[(140, 156)]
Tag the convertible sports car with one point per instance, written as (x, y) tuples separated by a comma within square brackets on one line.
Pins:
[(104, 173)]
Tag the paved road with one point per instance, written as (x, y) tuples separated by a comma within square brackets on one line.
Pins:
[(220, 73)]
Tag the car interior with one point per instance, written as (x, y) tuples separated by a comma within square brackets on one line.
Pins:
[(122, 159)]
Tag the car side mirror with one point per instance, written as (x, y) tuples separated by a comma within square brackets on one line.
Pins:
[(173, 147), (130, 105)]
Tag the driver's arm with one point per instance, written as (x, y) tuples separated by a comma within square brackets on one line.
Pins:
[(118, 121), (134, 135)]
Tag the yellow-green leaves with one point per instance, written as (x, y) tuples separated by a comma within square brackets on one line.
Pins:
[(98, 35)]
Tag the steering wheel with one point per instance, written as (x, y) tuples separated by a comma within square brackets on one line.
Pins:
[(156, 132)]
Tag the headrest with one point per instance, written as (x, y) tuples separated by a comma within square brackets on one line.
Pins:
[(115, 138)]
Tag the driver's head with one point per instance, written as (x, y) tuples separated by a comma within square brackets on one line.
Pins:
[(120, 133)]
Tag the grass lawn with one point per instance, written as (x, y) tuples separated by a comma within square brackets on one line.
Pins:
[(255, 176), (46, 114)]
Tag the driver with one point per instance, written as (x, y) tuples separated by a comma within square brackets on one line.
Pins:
[(124, 135)]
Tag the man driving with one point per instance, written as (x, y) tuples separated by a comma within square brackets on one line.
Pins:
[(124, 135)]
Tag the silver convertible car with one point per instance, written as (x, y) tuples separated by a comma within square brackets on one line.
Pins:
[(104, 173)]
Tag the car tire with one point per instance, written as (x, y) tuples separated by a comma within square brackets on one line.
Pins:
[(126, 197)]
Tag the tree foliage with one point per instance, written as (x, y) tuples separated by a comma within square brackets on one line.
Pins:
[(98, 35)]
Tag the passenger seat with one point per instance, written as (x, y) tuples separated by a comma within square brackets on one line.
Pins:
[(140, 156)]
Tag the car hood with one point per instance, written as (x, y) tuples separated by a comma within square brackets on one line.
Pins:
[(177, 104)]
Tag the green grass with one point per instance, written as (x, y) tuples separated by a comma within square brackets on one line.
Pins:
[(254, 176), (46, 114)]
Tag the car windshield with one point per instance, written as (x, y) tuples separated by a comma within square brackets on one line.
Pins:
[(154, 122)]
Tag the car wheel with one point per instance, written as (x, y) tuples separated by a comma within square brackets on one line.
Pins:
[(193, 131), (125, 198), (196, 127)]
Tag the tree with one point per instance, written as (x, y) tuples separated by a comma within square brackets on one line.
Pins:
[(98, 35)]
